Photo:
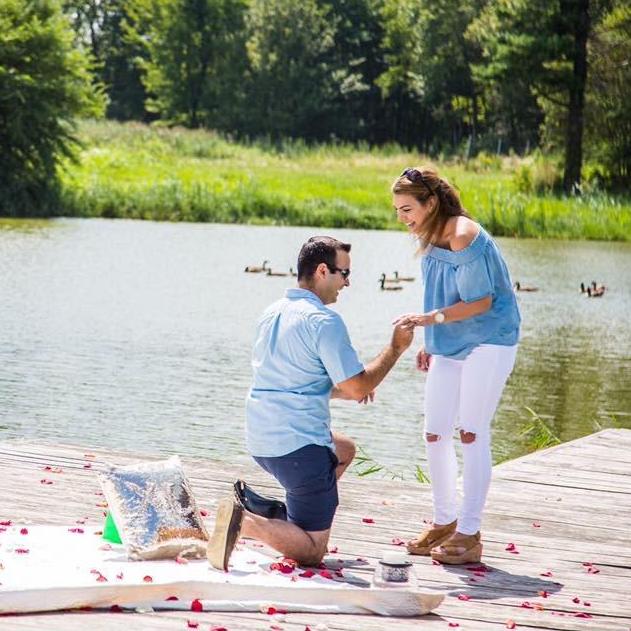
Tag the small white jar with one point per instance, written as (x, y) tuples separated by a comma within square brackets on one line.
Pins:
[(393, 568)]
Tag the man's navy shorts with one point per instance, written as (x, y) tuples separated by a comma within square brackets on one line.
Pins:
[(308, 477)]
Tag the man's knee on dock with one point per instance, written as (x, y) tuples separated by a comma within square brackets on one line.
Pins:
[(314, 555)]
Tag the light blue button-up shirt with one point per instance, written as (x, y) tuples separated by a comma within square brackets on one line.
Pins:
[(302, 348), (468, 275)]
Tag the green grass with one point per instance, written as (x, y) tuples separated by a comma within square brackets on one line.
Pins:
[(136, 171)]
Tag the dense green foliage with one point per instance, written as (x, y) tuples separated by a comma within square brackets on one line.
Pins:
[(44, 84), (447, 78), (140, 172)]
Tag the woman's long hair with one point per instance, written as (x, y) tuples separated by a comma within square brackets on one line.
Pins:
[(423, 183)]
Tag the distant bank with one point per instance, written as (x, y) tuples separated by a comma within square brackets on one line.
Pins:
[(136, 171)]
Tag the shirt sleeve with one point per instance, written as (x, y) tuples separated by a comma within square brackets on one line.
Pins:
[(473, 280), (336, 352)]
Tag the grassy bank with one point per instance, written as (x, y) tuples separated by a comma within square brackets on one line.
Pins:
[(134, 171)]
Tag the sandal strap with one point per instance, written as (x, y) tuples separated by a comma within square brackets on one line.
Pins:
[(429, 535), (457, 546)]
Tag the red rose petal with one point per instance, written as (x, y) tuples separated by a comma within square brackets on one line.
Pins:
[(368, 520), (478, 568), (77, 530), (463, 597), (116, 609), (181, 560), (587, 604), (21, 550), (333, 550), (218, 629), (87, 465), (536, 525), (576, 600), (510, 624), (147, 579), (275, 627), (101, 579), (284, 568), (548, 573), (171, 598), (24, 531), (45, 481), (582, 614), (203, 513), (6, 523), (543, 593), (191, 624), (307, 574), (454, 624), (325, 574), (196, 605), (398, 542)]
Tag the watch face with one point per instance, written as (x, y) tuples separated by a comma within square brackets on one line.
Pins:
[(439, 317)]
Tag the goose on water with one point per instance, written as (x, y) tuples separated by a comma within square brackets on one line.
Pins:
[(383, 278), (271, 273), (257, 269), (519, 287), (384, 287)]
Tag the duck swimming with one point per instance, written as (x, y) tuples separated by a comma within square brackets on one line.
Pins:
[(256, 269), (407, 279), (519, 287), (384, 287)]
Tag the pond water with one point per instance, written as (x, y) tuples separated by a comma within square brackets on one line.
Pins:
[(137, 335)]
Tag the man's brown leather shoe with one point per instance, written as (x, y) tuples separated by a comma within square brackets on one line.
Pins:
[(227, 529)]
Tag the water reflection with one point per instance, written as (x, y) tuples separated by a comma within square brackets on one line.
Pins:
[(137, 335)]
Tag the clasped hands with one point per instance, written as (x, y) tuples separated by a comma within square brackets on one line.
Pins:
[(409, 321)]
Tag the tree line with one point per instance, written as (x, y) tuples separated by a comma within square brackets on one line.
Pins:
[(445, 77)]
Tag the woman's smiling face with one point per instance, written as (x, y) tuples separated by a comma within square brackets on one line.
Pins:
[(410, 211)]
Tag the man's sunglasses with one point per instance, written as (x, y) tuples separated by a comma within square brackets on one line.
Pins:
[(344, 272), (415, 176)]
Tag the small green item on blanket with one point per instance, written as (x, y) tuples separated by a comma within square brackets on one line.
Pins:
[(110, 532)]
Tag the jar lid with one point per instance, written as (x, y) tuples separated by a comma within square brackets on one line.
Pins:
[(404, 564), (392, 557)]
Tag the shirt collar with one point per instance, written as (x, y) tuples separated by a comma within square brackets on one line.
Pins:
[(295, 293)]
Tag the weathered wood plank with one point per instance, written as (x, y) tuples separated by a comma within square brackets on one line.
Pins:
[(582, 514)]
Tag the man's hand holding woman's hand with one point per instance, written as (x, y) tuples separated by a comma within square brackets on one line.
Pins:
[(402, 337), (411, 320)]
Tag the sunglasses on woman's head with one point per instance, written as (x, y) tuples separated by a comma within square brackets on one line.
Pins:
[(415, 176)]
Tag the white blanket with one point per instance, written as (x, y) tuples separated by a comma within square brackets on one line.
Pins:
[(46, 568)]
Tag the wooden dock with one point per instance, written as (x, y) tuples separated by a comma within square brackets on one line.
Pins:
[(557, 539)]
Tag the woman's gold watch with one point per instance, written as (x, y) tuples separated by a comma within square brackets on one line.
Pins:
[(439, 317)]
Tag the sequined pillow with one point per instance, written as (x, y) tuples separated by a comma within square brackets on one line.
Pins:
[(154, 510)]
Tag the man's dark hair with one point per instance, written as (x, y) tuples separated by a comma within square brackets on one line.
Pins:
[(318, 250)]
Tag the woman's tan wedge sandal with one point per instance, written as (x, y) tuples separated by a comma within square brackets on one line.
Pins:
[(459, 549), (430, 538)]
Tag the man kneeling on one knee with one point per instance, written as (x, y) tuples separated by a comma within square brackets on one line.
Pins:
[(302, 357)]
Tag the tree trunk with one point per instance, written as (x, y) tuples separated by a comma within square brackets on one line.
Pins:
[(580, 24)]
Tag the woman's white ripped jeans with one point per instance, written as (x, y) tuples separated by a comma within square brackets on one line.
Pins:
[(463, 394)]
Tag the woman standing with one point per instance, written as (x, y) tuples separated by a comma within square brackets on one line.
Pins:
[(471, 325)]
